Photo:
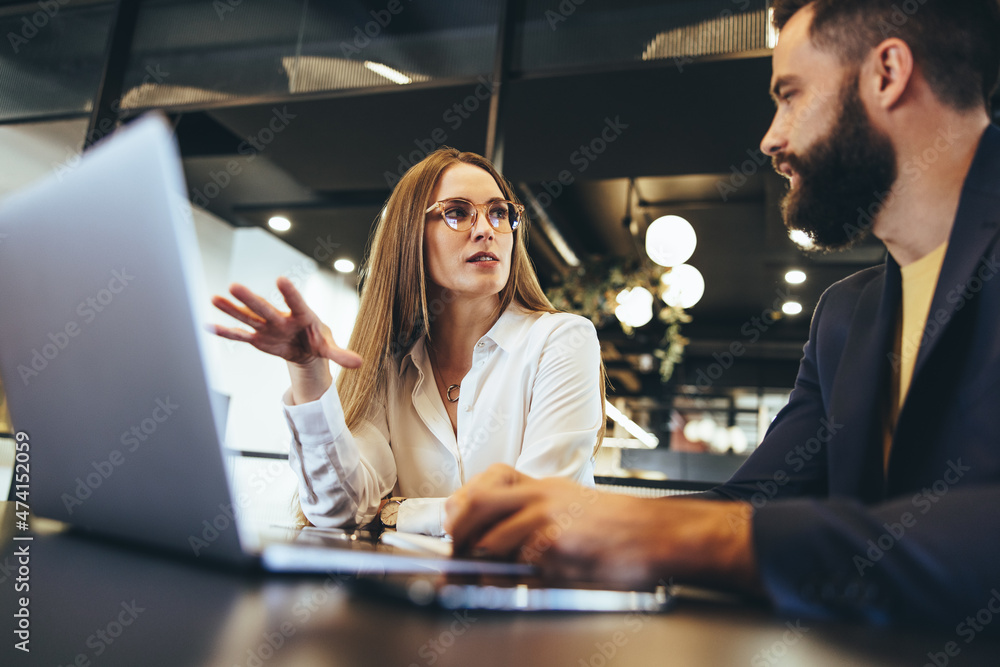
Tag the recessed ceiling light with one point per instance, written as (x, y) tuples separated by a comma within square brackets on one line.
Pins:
[(795, 277), (279, 224), (344, 265), (791, 308)]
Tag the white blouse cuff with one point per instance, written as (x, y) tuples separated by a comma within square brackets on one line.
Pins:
[(319, 421), (421, 515)]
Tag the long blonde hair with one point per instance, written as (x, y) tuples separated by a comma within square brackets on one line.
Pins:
[(394, 306)]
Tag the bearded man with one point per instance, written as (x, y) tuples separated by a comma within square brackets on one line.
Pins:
[(874, 494)]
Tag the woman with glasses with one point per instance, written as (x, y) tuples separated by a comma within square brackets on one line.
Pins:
[(457, 360)]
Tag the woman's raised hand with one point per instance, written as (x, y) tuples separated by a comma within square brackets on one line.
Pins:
[(298, 336)]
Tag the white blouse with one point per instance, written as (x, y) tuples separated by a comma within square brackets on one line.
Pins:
[(532, 399)]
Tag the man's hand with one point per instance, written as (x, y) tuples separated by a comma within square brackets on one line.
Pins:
[(574, 532)]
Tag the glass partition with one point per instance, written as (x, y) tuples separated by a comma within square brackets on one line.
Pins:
[(52, 58)]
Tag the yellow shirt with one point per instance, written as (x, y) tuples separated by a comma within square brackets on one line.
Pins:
[(919, 280)]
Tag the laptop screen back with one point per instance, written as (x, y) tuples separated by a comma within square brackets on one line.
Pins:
[(100, 348)]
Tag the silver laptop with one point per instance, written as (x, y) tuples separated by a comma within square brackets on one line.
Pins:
[(103, 360)]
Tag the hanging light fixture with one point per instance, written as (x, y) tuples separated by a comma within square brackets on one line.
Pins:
[(683, 286), (635, 307), (670, 240)]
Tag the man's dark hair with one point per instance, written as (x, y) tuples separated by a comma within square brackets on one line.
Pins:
[(955, 42)]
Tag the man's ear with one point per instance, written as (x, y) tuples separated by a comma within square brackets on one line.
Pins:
[(887, 72)]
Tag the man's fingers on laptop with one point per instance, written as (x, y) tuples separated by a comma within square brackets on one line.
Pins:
[(509, 536), (496, 476), (483, 510)]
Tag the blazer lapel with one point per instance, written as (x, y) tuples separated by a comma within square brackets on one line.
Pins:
[(976, 226), (965, 270), (861, 391)]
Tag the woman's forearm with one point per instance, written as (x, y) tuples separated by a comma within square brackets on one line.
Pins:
[(309, 381)]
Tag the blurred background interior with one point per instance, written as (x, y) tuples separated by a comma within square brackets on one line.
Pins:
[(296, 117)]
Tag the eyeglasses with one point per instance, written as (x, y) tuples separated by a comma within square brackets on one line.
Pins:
[(461, 215)]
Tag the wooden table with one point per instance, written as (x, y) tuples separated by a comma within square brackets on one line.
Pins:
[(97, 603)]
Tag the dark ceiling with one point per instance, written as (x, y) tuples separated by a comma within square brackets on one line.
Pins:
[(277, 112), (682, 133)]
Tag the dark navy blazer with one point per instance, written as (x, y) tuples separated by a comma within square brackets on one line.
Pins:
[(836, 537)]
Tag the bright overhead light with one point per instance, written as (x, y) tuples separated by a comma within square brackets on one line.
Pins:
[(670, 240), (683, 286), (791, 308), (344, 265), (393, 75), (801, 239), (636, 431), (795, 277), (279, 224), (635, 307)]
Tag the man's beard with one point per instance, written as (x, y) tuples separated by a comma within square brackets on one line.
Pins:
[(842, 177)]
